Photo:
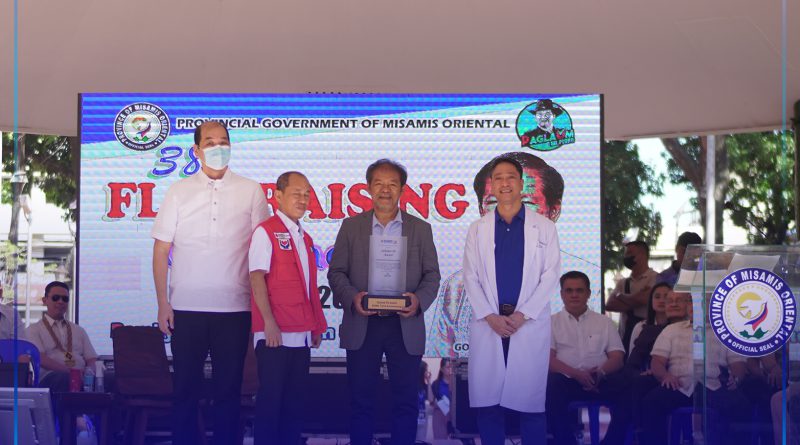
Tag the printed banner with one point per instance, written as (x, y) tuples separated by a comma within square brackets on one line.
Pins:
[(134, 146)]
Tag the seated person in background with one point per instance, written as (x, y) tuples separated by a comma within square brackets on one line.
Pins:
[(793, 422), (423, 396), (637, 366), (730, 408), (670, 274), (586, 353), (764, 378), (672, 365), (441, 401), (62, 345), (646, 331), (7, 321)]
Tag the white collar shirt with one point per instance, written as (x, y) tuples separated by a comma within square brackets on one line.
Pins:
[(393, 228), (260, 257), (675, 344), (583, 342), (209, 224), (82, 349), (717, 355)]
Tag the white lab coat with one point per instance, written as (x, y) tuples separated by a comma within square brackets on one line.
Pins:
[(522, 384)]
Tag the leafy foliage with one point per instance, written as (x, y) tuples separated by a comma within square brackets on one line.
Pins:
[(754, 181), (48, 164), (626, 181), (761, 194)]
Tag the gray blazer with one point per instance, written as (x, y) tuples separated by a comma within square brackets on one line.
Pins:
[(349, 267)]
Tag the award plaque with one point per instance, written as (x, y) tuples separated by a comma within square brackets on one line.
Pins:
[(387, 274)]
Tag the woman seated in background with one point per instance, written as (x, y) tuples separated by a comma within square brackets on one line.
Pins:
[(646, 331), (423, 394), (672, 365), (442, 410), (637, 366)]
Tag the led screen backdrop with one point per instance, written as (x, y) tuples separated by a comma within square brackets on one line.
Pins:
[(134, 146)]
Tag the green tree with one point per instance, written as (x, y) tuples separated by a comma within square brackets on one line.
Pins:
[(626, 180), (48, 164), (761, 194), (686, 165), (753, 181)]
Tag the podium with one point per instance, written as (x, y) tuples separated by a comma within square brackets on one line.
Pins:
[(745, 351)]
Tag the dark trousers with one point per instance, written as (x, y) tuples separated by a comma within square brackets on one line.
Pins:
[(384, 336), (57, 381), (657, 405), (283, 379), (562, 390), (492, 426), (225, 336), (728, 422), (759, 393), (640, 385)]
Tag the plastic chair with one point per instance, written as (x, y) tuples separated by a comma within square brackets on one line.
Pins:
[(24, 347), (593, 407)]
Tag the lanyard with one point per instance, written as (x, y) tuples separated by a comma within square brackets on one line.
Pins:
[(68, 358)]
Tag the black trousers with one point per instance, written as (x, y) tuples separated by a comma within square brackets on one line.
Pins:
[(384, 336), (657, 405), (562, 390), (225, 336), (730, 418), (283, 380)]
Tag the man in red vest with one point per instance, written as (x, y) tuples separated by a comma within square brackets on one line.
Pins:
[(287, 313)]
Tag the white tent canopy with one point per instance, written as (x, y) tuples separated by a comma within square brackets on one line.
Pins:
[(665, 67)]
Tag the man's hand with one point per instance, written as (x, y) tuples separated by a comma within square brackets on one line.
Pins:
[(585, 379), (412, 309), (517, 320), (273, 334), (357, 305), (166, 318), (316, 340), (501, 325), (671, 382)]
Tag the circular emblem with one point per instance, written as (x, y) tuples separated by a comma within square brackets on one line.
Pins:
[(545, 126), (752, 312), (141, 126)]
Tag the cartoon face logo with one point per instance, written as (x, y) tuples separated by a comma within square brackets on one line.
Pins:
[(141, 126), (545, 126)]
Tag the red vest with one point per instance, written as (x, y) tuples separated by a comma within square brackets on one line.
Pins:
[(289, 299)]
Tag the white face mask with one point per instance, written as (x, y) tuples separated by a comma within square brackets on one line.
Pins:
[(217, 157)]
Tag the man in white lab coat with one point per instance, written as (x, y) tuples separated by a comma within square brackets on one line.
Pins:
[(512, 264)]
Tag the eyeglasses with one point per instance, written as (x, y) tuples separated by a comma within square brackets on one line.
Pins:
[(58, 298)]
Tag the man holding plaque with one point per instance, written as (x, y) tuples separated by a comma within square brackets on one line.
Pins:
[(384, 275), (287, 313), (62, 345), (512, 265)]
